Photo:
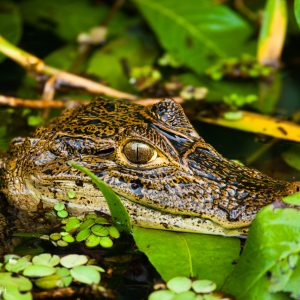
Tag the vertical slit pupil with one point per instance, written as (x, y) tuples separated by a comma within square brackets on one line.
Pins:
[(137, 152)]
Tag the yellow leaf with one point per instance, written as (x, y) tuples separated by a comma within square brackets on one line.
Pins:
[(272, 33), (257, 123)]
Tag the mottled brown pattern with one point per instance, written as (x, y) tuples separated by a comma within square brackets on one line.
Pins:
[(189, 186)]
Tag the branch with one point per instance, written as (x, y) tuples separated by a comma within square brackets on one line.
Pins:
[(36, 65), (42, 104)]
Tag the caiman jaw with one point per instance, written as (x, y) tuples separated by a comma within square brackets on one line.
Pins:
[(89, 199)]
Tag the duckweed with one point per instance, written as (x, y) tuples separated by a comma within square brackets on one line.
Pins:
[(106, 242), (92, 241), (62, 213), (59, 206), (99, 230), (68, 238), (91, 229), (71, 194), (83, 235), (179, 288), (244, 67), (45, 271)]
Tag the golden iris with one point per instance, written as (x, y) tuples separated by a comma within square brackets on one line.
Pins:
[(138, 152)]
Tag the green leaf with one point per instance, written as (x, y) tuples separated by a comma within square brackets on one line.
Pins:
[(292, 285), (73, 260), (35, 120), (17, 265), (100, 230), (38, 271), (114, 232), (72, 224), (108, 62), (196, 33), (63, 58), (13, 294), (293, 199), (48, 282), (92, 241), (65, 277), (273, 240), (179, 284), (297, 11), (46, 259), (218, 89), (118, 212), (66, 18), (292, 157), (21, 283), (86, 274), (106, 242), (162, 295), (187, 254), (10, 22), (83, 234), (203, 286)]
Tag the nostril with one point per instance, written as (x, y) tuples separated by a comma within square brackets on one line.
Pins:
[(295, 187)]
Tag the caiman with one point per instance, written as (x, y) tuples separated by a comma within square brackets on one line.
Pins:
[(166, 175)]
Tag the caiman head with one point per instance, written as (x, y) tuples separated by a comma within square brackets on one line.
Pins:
[(166, 175)]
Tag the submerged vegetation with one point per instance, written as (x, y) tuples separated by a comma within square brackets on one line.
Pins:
[(234, 64)]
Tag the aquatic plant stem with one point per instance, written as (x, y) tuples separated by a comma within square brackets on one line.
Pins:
[(37, 66)]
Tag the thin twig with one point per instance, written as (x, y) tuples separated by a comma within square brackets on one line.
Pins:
[(42, 104), (39, 104), (37, 66)]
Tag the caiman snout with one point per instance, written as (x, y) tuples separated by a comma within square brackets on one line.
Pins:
[(294, 187)]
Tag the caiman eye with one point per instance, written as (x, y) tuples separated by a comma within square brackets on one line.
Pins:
[(139, 153)]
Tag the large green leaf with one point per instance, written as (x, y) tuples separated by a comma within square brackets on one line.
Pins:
[(188, 254), (66, 18), (297, 10), (266, 267), (196, 32), (10, 22), (108, 62), (292, 157)]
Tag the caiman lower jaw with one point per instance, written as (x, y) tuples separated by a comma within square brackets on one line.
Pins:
[(90, 199), (150, 218)]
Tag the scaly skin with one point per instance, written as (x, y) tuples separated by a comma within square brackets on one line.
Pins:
[(187, 186)]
